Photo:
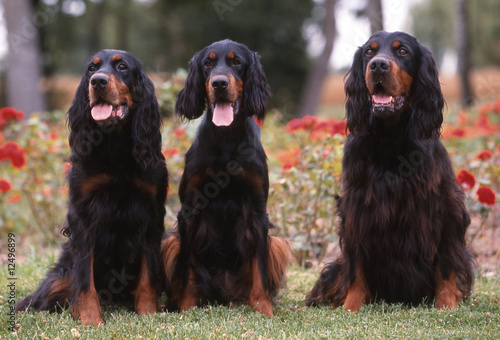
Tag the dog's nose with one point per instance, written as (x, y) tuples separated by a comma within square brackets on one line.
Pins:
[(99, 81), (379, 66), (220, 83)]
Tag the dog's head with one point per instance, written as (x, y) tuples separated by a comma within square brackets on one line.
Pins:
[(112, 79), (227, 78), (114, 93), (393, 73)]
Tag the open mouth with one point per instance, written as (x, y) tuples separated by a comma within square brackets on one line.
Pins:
[(224, 112), (383, 102), (103, 111)]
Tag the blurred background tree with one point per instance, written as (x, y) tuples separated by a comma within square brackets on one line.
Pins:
[(165, 35)]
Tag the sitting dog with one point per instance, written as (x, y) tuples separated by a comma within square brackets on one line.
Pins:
[(221, 251)]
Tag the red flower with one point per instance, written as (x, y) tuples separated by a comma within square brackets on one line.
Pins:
[(484, 126), (5, 185), (486, 195), (14, 198), (14, 153), (466, 178), (305, 123), (170, 152), (458, 133), (179, 132), (53, 135), (485, 154), (11, 113), (289, 158)]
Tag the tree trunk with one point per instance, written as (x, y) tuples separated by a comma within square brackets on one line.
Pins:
[(315, 79), (375, 15), (24, 62), (463, 53)]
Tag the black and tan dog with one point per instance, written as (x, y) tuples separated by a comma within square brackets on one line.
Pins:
[(402, 214), (117, 190), (221, 251)]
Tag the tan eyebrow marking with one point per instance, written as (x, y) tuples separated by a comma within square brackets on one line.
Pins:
[(116, 57), (374, 45), (396, 44), (231, 55), (96, 60), (211, 55)]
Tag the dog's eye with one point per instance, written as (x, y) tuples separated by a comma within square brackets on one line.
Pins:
[(402, 51), (92, 68), (236, 62), (122, 66), (369, 52), (207, 63)]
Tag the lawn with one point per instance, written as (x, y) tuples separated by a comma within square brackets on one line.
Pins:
[(477, 317)]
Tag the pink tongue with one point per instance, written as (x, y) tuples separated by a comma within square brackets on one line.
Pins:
[(101, 111), (381, 99), (223, 114)]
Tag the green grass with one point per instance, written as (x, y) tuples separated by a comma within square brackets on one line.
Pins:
[(478, 317)]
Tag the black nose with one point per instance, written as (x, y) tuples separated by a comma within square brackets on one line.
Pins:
[(99, 81), (220, 83), (379, 66)]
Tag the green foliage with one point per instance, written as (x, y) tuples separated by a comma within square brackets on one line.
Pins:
[(303, 197), (434, 22), (36, 206)]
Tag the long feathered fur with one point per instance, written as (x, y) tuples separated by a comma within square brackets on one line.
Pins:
[(402, 214)]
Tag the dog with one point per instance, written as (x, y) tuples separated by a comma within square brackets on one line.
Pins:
[(402, 214), (221, 250), (117, 190)]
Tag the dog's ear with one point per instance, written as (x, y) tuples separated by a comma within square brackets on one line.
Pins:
[(256, 90), (427, 99), (358, 98), (192, 98), (146, 124), (80, 123)]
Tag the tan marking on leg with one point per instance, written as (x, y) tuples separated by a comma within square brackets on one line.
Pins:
[(189, 296), (357, 293), (146, 296), (259, 300), (87, 307), (447, 293)]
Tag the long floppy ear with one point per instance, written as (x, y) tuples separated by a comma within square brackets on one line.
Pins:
[(427, 99), (146, 124), (358, 98), (256, 90), (191, 99), (80, 123)]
